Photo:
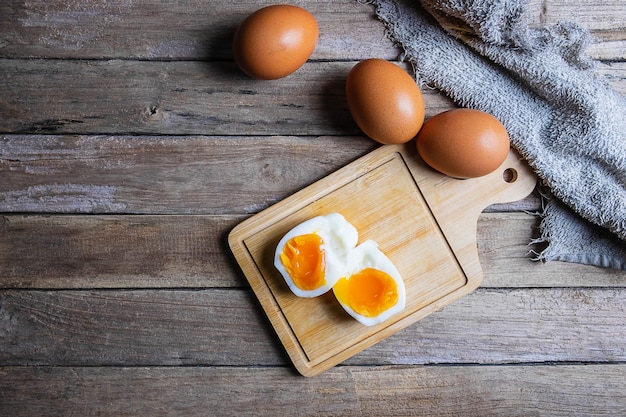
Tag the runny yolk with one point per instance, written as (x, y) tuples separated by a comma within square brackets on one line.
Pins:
[(369, 292), (304, 260)]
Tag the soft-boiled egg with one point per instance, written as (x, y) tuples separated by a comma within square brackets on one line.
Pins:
[(322, 253), (311, 256), (372, 289)]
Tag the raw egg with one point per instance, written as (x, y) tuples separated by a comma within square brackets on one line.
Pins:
[(275, 41), (463, 143), (384, 101), (311, 256), (372, 289)]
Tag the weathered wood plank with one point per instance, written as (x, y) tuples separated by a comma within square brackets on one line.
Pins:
[(170, 98), (504, 249), (226, 327), (183, 30), (190, 251), (605, 20), (609, 50), (166, 175), (545, 390), (192, 30), (212, 327), (170, 175), (175, 98), (186, 98), (513, 326), (173, 175), (116, 251), (493, 391), (601, 16)]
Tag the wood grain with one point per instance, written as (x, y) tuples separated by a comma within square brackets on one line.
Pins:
[(505, 248), (203, 30), (488, 391), (140, 251), (164, 175), (184, 30), (151, 251), (130, 145), (187, 98), (176, 98), (116, 251), (173, 175), (226, 327)]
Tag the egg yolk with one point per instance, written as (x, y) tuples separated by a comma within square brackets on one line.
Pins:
[(303, 258), (369, 292)]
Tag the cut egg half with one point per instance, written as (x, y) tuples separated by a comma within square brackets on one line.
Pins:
[(372, 289), (311, 256)]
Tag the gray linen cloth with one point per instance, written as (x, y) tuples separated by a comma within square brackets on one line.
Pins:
[(566, 122)]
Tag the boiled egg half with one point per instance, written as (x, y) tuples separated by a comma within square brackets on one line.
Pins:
[(371, 289), (311, 256)]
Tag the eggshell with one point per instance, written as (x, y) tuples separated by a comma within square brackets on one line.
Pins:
[(385, 102), (275, 41), (463, 143)]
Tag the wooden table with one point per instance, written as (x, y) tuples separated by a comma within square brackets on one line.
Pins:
[(131, 145)]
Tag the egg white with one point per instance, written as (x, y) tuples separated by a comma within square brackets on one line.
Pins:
[(367, 255), (339, 236)]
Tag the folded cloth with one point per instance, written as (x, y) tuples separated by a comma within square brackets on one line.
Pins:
[(566, 122)]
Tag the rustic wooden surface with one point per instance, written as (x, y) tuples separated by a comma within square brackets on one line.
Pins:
[(131, 145)]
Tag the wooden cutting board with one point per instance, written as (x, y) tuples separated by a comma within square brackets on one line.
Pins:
[(424, 221)]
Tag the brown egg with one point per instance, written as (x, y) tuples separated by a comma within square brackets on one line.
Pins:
[(463, 143), (275, 41), (385, 102)]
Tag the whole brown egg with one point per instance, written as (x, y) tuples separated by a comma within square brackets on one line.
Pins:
[(275, 41), (384, 101), (463, 143)]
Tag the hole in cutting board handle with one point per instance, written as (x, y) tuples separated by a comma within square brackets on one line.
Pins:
[(509, 175)]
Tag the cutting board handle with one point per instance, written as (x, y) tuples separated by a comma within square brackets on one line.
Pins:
[(456, 204)]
